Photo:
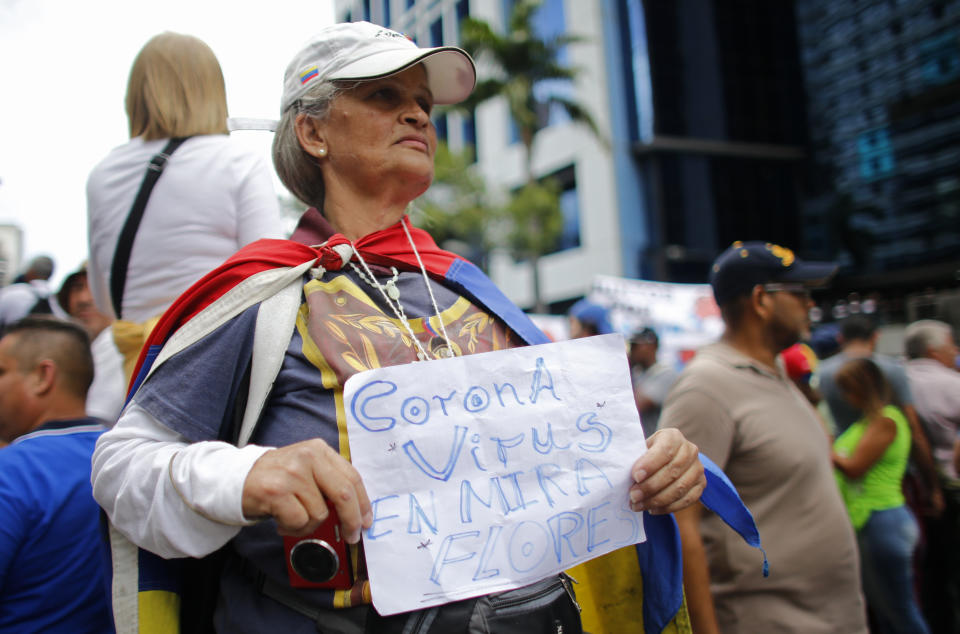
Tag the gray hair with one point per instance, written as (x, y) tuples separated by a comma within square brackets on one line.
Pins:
[(298, 170), (924, 335)]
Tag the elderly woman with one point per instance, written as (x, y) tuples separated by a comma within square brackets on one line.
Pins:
[(177, 476)]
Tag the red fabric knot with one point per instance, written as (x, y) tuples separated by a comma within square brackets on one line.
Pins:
[(331, 258)]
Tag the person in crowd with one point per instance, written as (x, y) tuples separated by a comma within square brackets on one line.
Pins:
[(588, 319), (30, 295), (858, 339), (870, 457), (825, 340), (651, 379), (108, 390), (931, 351), (743, 413), (800, 363), (356, 143), (51, 577), (212, 197)]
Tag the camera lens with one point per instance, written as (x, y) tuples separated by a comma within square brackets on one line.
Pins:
[(314, 560)]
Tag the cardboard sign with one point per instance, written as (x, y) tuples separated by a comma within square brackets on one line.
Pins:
[(491, 471)]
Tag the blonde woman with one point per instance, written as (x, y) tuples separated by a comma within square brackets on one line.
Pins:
[(870, 458), (213, 197)]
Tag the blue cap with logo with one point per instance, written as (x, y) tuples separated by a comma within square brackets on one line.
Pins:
[(745, 264)]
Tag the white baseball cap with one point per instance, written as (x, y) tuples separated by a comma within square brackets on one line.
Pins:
[(361, 50)]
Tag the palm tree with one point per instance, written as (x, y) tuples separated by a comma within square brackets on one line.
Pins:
[(521, 60), (456, 209)]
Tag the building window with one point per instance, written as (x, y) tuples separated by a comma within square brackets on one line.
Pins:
[(410, 3), (940, 59), (876, 154), (469, 129), (513, 132), (440, 123), (366, 10), (507, 10), (638, 63), (569, 207), (436, 32), (548, 24), (463, 11), (385, 12)]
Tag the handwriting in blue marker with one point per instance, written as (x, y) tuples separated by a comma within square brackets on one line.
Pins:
[(410, 448), (588, 423), (418, 516), (569, 536), (545, 447), (506, 443), (372, 407), (542, 380)]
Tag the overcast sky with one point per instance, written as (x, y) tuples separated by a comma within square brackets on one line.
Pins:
[(63, 72)]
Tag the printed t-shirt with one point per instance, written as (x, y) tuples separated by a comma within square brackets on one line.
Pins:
[(51, 569), (343, 327), (756, 425)]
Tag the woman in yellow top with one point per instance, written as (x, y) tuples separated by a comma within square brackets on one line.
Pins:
[(870, 458)]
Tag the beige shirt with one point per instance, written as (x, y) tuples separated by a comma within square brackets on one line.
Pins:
[(754, 423)]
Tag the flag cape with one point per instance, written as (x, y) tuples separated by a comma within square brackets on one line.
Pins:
[(658, 559)]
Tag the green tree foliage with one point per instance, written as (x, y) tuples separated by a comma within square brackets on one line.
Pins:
[(457, 210), (520, 60), (535, 220)]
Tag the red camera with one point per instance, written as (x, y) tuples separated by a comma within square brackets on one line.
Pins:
[(320, 559)]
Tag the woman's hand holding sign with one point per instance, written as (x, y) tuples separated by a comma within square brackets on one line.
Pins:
[(669, 476), (294, 485)]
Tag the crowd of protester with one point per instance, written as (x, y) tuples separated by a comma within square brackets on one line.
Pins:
[(848, 463), (847, 459)]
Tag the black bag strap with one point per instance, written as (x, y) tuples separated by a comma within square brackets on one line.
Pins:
[(121, 255)]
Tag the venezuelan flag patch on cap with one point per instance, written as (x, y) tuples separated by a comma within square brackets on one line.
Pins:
[(308, 73)]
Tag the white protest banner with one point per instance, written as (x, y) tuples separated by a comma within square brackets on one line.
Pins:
[(491, 471), (685, 316)]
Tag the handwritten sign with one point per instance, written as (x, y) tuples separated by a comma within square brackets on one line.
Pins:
[(491, 471)]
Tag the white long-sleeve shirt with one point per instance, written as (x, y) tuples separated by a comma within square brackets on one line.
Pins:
[(213, 198), (169, 496)]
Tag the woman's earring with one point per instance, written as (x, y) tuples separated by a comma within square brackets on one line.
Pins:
[(322, 152)]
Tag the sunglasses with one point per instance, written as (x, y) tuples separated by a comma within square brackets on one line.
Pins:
[(795, 288)]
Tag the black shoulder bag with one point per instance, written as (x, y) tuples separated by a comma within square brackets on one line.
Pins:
[(121, 255)]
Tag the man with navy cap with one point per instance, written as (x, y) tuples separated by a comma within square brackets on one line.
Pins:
[(745, 414)]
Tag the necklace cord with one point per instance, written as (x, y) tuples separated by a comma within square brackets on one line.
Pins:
[(397, 308), (426, 280), (394, 303)]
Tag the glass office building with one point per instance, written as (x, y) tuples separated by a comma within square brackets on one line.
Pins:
[(883, 91)]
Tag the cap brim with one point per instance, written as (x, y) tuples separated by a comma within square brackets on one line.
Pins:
[(451, 74), (811, 274)]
